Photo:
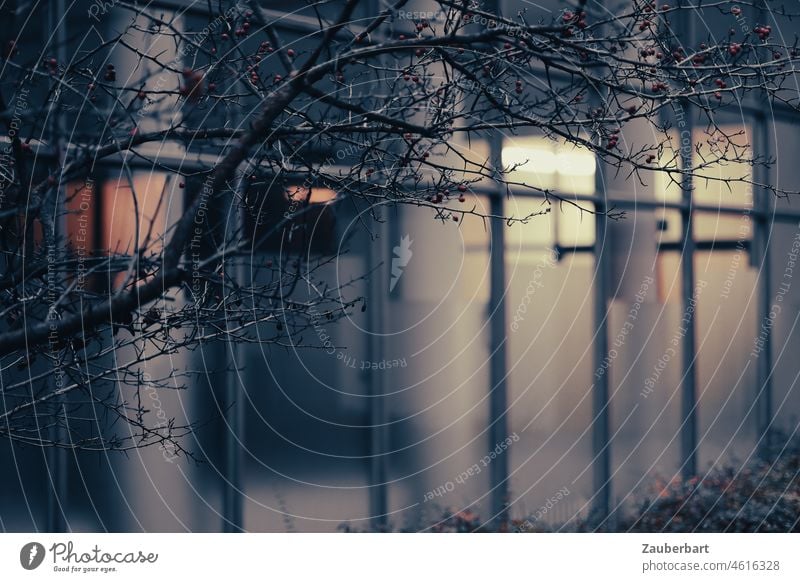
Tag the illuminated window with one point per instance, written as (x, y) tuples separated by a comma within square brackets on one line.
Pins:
[(725, 183), (564, 169), (119, 212), (300, 195), (721, 184), (547, 164), (312, 221)]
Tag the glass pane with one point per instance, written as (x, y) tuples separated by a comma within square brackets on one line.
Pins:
[(785, 173), (718, 226), (726, 370), (474, 278), (576, 170), (668, 225), (666, 185), (550, 364), (576, 224), (119, 230), (538, 231), (548, 164), (668, 275), (533, 161), (475, 230), (722, 182)]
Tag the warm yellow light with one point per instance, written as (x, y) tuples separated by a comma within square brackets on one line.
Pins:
[(318, 195), (576, 162), (543, 163), (529, 160)]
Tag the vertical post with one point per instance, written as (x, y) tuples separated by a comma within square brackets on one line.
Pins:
[(233, 518), (601, 410), (601, 406), (378, 417), (56, 457), (232, 500), (498, 398), (689, 350), (378, 493), (762, 258)]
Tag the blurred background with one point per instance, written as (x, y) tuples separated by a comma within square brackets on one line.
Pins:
[(566, 363)]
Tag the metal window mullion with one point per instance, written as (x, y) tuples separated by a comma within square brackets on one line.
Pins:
[(378, 413), (378, 426), (689, 348), (601, 410), (762, 258), (235, 387), (498, 368), (232, 502), (56, 456), (601, 405), (688, 428)]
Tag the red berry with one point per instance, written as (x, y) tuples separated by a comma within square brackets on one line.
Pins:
[(290, 52)]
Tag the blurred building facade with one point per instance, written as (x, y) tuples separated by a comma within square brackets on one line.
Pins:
[(497, 367)]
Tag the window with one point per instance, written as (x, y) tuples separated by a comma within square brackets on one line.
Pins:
[(292, 218), (565, 169)]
